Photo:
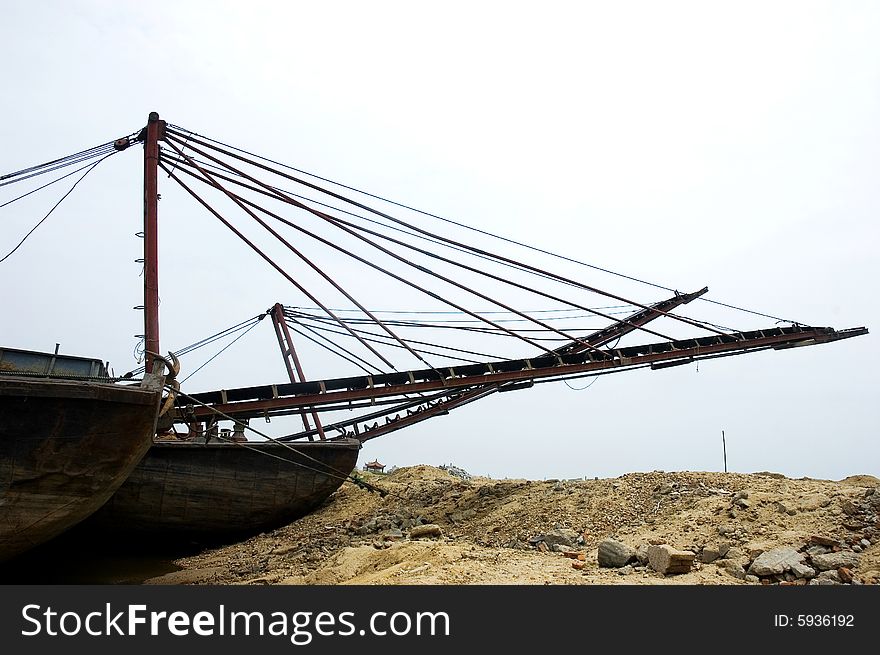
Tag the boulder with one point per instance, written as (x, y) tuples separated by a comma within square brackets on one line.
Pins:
[(709, 554), (776, 561), (801, 570), (428, 530), (735, 569), (560, 537), (813, 502), (834, 561), (833, 576), (615, 554)]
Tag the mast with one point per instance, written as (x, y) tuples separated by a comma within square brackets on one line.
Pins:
[(155, 131)]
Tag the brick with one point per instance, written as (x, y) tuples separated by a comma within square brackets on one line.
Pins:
[(667, 560)]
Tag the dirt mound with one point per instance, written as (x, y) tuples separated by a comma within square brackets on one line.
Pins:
[(484, 531)]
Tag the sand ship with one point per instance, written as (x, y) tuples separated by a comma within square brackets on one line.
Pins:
[(460, 336), (68, 438)]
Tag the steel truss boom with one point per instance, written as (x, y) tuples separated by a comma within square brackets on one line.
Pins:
[(261, 400)]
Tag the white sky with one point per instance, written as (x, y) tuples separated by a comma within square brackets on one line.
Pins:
[(691, 144)]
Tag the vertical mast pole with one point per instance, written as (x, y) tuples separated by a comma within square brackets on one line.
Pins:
[(155, 131), (289, 353)]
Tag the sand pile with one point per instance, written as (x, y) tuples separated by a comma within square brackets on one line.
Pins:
[(433, 527)]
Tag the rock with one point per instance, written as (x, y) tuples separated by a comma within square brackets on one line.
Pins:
[(578, 565), (817, 581), (819, 540), (392, 534), (667, 560), (625, 570), (834, 576), (709, 554), (833, 561), (615, 554), (559, 486), (723, 549), (752, 578), (734, 553), (845, 575), (464, 515), (785, 508), (543, 547), (572, 554), (560, 536), (285, 550), (849, 507), (735, 569), (740, 495), (801, 570), (742, 502), (857, 548), (642, 553), (813, 502), (864, 543), (817, 550), (428, 530), (726, 529), (776, 561)]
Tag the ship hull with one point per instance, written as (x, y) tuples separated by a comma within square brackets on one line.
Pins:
[(65, 448), (217, 491)]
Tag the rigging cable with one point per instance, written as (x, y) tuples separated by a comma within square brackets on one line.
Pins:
[(54, 207), (256, 249), (176, 136), (277, 192), (222, 350), (335, 222), (481, 231), (305, 259)]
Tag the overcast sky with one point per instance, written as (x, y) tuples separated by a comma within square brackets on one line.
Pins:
[(689, 144)]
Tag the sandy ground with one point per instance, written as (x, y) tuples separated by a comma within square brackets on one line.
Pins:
[(491, 530)]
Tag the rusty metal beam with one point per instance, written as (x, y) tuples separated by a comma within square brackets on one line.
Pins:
[(155, 131), (596, 339), (631, 323), (289, 353), (386, 385)]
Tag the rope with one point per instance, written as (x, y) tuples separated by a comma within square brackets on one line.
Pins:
[(54, 207), (477, 230)]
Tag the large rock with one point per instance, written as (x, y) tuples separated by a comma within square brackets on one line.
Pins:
[(776, 561), (560, 537), (709, 554), (667, 560), (428, 530), (615, 554), (802, 571), (834, 576), (834, 561), (813, 502)]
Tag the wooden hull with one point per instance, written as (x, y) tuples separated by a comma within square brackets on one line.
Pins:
[(215, 491), (65, 448)]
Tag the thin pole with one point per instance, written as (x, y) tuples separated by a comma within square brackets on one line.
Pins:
[(724, 445), (155, 130)]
